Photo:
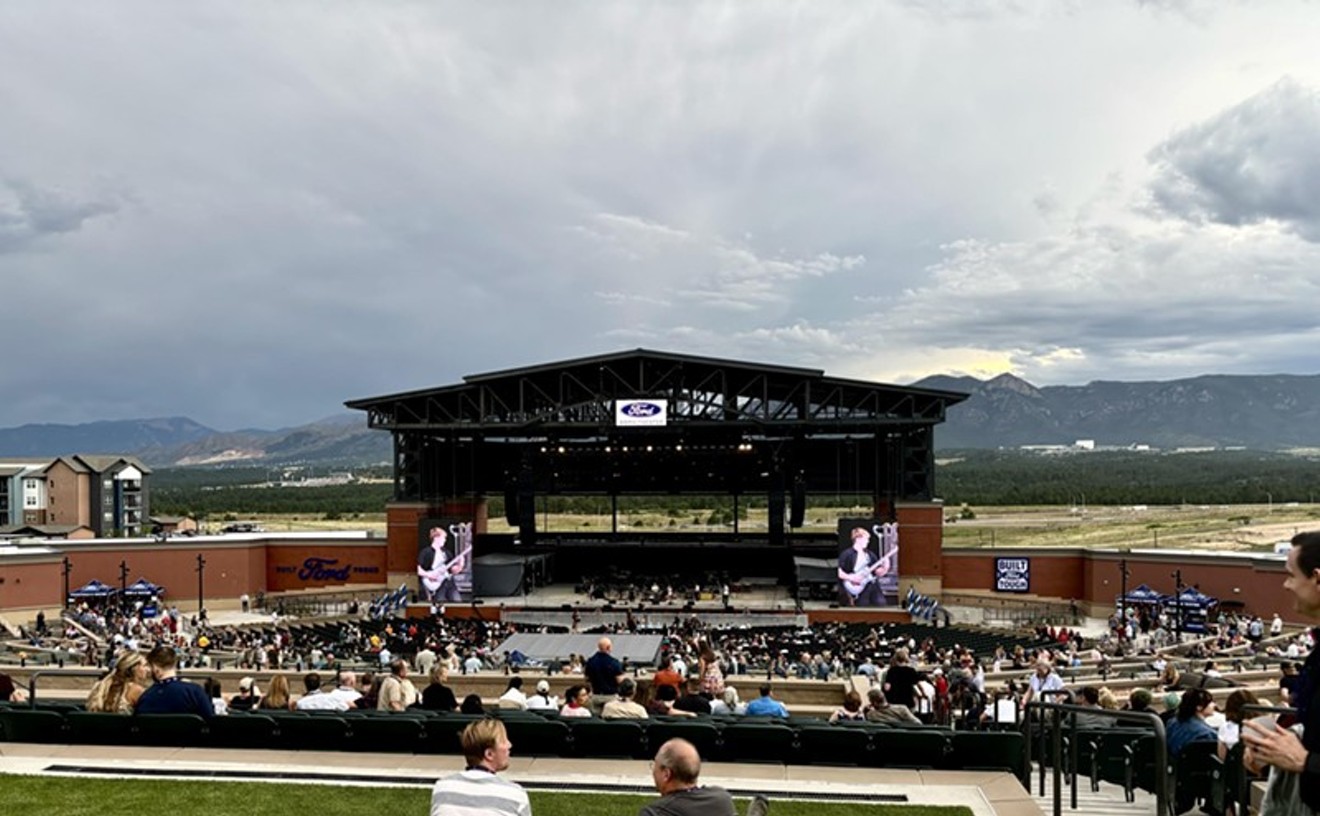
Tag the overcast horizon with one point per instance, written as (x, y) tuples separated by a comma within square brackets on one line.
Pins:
[(247, 214)]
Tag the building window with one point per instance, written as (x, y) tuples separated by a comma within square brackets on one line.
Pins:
[(29, 501)]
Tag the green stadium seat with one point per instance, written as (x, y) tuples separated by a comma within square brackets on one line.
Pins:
[(608, 738), (909, 748), (759, 742), (386, 734), (833, 745), (247, 731), (181, 730), (32, 725), (313, 733), (702, 733), (100, 728), (536, 736), (989, 750)]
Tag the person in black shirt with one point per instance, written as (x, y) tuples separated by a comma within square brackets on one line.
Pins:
[(692, 700), (438, 696), (1278, 746), (901, 681), (603, 672)]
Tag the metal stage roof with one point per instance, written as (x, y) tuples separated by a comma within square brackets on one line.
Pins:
[(706, 426)]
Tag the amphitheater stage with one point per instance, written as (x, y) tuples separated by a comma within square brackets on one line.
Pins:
[(762, 603)]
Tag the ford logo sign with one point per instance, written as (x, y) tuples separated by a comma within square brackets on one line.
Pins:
[(642, 409)]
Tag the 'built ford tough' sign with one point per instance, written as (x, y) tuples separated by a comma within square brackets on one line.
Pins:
[(641, 413), (1012, 574)]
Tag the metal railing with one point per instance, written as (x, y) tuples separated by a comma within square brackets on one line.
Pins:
[(1053, 722)]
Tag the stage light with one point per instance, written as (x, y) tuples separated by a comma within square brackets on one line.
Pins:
[(561, 448), (649, 449), (678, 448)]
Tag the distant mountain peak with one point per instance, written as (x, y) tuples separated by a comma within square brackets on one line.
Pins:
[(1011, 382)]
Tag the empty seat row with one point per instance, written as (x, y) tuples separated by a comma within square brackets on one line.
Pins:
[(533, 736)]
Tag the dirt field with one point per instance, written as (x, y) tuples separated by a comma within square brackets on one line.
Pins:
[(1237, 527)]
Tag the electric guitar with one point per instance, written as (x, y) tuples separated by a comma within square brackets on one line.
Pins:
[(433, 579), (862, 578)]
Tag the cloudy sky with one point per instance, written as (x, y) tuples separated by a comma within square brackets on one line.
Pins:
[(246, 212)]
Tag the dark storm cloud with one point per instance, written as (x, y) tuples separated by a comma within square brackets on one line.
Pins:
[(1257, 161), (29, 213)]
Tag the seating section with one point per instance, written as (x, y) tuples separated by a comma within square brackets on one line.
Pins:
[(420, 732)]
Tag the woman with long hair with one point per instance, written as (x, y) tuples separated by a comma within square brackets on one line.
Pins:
[(118, 691), (277, 694), (851, 709), (710, 672), (1230, 732)]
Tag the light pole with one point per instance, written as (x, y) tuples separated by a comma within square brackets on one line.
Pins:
[(201, 575), (123, 585), (1122, 599), (68, 568), (1177, 602)]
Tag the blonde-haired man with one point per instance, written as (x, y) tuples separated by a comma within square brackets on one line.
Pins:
[(476, 790)]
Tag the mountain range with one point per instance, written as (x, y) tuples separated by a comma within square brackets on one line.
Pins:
[(1264, 412), (1258, 412)]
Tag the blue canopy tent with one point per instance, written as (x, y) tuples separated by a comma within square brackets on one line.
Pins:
[(1141, 595), (143, 588), (1192, 606), (93, 589)]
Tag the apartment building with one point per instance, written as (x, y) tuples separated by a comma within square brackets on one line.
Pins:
[(107, 494), (22, 491)]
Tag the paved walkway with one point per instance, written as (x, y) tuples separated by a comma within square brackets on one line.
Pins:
[(985, 793)]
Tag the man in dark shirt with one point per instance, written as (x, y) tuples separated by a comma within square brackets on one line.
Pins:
[(692, 700), (168, 694), (603, 672), (1279, 746), (674, 772)]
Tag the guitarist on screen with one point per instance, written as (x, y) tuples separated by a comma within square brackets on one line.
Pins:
[(859, 571), (439, 577)]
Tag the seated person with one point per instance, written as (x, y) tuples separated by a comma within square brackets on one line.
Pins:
[(624, 707), (693, 701)]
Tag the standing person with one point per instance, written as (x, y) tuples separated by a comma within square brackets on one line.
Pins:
[(478, 790), (603, 672), (710, 671), (675, 772), (901, 681), (169, 694), (1279, 747)]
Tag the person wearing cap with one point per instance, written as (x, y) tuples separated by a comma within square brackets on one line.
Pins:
[(247, 697), (543, 700)]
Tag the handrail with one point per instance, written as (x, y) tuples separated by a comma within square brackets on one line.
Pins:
[(32, 678), (1056, 735)]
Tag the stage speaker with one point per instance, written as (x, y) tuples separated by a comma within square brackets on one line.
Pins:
[(511, 505), (526, 515), (797, 510), (776, 511)]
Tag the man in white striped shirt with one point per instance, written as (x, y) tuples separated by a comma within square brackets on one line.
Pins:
[(477, 791)]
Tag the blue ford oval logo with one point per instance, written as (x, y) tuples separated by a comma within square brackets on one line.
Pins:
[(642, 409)]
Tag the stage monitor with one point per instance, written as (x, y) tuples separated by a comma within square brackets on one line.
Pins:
[(444, 560), (868, 562)]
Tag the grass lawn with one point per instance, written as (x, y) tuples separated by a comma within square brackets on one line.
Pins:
[(62, 796)]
